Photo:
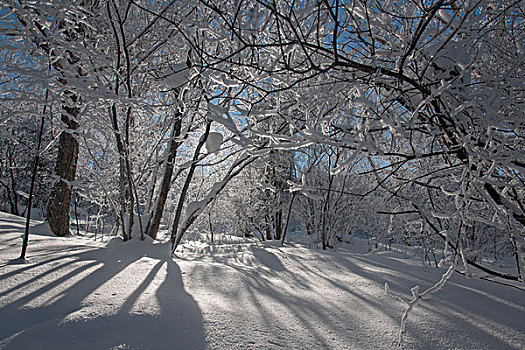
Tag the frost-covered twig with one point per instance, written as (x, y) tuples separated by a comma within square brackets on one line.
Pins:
[(416, 297)]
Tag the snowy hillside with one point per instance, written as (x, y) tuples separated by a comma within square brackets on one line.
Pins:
[(75, 293)]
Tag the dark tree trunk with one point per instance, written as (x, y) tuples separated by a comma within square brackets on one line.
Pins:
[(65, 169), (267, 223), (25, 240), (235, 170), (174, 144), (210, 224), (278, 224), (288, 217), (185, 187)]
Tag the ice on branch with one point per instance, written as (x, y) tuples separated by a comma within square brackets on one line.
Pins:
[(177, 75), (213, 142), (193, 208), (224, 81)]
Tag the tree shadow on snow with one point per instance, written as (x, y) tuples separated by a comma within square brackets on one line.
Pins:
[(91, 299), (280, 308), (345, 306)]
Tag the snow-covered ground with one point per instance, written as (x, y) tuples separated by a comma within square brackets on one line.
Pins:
[(75, 293)]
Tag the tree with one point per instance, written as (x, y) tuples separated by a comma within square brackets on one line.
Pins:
[(423, 98), (59, 35), (406, 83)]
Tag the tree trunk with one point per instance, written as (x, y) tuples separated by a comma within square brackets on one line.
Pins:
[(65, 169), (174, 144), (186, 186), (25, 240), (267, 223), (278, 224), (210, 225), (153, 183), (126, 200), (288, 217), (235, 170)]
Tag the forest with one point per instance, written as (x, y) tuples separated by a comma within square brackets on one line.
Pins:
[(398, 123)]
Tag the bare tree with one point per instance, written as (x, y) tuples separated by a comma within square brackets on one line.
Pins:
[(402, 85)]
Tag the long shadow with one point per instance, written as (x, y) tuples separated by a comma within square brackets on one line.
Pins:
[(25, 267), (77, 317), (12, 225), (294, 302), (427, 327), (469, 305)]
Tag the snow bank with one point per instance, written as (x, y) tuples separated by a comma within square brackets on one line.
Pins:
[(75, 293), (41, 229)]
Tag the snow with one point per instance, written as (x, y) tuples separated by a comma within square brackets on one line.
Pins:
[(41, 229), (75, 292), (137, 222), (177, 75), (213, 142), (194, 207), (223, 80)]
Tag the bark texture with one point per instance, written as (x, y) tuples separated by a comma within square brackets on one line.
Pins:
[(65, 169)]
